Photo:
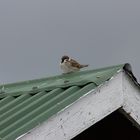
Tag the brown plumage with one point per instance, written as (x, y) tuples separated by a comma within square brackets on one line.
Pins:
[(70, 65), (74, 63)]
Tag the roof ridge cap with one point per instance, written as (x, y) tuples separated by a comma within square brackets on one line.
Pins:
[(36, 84)]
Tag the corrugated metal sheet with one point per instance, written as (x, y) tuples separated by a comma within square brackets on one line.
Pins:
[(26, 104)]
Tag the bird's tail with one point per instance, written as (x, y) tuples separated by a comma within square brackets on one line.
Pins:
[(82, 66)]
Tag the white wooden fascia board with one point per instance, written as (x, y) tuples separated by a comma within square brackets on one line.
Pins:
[(131, 104), (82, 114)]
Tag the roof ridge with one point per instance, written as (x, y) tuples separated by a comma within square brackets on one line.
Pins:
[(63, 80), (61, 75)]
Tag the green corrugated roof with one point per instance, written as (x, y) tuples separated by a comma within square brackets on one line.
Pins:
[(24, 105)]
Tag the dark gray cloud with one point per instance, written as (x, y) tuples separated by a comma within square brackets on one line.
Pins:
[(35, 34)]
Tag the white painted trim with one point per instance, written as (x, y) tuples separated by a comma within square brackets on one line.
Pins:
[(131, 104), (82, 114)]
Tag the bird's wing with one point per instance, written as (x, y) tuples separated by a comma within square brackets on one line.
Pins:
[(74, 63)]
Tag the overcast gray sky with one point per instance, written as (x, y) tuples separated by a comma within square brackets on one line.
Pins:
[(34, 34)]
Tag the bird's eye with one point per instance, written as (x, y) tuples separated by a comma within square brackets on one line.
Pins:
[(65, 60)]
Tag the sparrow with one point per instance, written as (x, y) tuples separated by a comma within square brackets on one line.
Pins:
[(69, 65)]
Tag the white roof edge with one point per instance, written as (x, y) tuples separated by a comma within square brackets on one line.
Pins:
[(131, 104)]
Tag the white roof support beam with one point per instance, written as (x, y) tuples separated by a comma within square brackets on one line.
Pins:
[(131, 104)]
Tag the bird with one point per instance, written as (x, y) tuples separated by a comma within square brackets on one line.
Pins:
[(69, 65)]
